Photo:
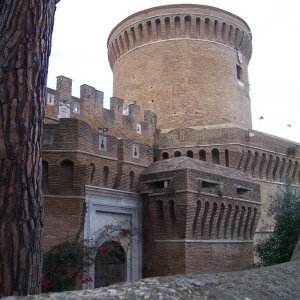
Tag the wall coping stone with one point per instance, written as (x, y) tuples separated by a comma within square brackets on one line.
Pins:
[(275, 282)]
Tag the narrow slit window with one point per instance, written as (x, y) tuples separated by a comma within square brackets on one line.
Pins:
[(159, 184), (135, 151), (239, 73), (131, 180), (243, 192), (211, 187)]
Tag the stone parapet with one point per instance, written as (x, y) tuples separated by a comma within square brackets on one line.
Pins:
[(276, 282)]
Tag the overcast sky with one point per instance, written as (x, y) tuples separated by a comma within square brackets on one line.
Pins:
[(82, 27)]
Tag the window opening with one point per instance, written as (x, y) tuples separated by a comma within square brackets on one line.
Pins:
[(131, 176), (102, 143), (215, 156), (50, 99), (202, 155), (135, 151), (76, 108), (243, 192), (239, 74), (177, 153), (226, 157), (165, 155), (66, 176), (105, 175)]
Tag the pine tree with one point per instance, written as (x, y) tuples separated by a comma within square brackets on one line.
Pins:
[(25, 42)]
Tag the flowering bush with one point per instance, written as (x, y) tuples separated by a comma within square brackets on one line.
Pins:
[(118, 243), (103, 249), (61, 266), (86, 279), (64, 262), (126, 232), (45, 285)]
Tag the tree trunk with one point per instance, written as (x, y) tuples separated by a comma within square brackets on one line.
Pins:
[(25, 43)]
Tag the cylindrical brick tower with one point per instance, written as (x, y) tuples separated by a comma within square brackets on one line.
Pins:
[(188, 63)]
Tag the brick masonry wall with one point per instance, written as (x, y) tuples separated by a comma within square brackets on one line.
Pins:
[(73, 158), (218, 257), (165, 259), (62, 219), (120, 121), (265, 159), (202, 209), (191, 54)]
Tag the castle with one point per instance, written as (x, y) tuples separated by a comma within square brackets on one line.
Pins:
[(175, 155)]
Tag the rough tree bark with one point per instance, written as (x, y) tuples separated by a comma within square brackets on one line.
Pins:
[(25, 43)]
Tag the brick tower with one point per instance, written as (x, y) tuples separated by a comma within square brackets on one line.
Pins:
[(188, 63)]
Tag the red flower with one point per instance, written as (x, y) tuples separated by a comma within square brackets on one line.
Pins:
[(103, 249), (118, 243), (126, 232), (86, 279), (45, 285)]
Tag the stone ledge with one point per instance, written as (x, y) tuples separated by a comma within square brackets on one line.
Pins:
[(276, 282)]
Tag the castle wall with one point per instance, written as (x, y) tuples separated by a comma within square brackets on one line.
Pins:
[(123, 121), (266, 159), (86, 148), (260, 156), (192, 211)]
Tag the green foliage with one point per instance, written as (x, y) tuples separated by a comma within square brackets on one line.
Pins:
[(285, 209), (61, 266)]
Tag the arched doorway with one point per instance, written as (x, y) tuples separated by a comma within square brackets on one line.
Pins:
[(110, 264)]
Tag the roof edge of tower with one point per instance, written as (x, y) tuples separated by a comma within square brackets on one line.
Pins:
[(177, 6)]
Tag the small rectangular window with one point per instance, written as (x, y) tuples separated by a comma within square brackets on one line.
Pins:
[(76, 108), (158, 183), (239, 72), (243, 192), (64, 108), (50, 99), (135, 151), (212, 187), (139, 128), (103, 130), (125, 110), (239, 75), (102, 143)]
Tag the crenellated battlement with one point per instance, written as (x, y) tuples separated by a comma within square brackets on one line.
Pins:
[(165, 23), (124, 121)]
